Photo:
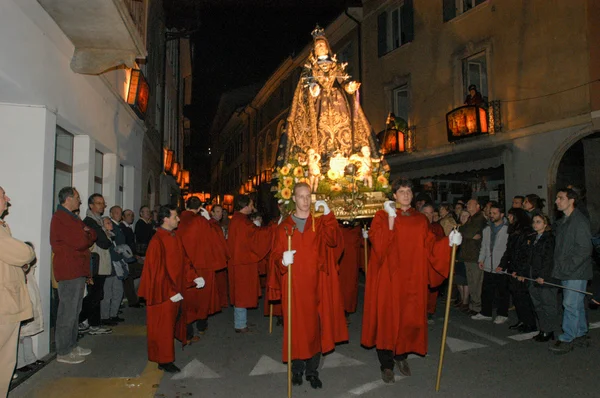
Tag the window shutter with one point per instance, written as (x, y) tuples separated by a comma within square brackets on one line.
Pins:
[(449, 10), (382, 34), (407, 22)]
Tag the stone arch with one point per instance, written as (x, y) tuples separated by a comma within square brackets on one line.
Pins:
[(150, 190)]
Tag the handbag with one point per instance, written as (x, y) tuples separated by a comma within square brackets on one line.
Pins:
[(94, 263)]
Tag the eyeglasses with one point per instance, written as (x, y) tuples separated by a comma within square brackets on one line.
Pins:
[(100, 203)]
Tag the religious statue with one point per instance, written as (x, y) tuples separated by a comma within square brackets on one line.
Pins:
[(365, 161), (313, 160)]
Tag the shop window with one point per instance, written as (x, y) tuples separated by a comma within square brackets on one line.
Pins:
[(98, 172), (395, 27)]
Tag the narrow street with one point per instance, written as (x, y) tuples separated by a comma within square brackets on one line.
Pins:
[(482, 359)]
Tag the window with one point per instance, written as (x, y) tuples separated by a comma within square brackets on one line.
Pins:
[(346, 55), (395, 28), (453, 8), (63, 163), (400, 101), (121, 182), (99, 172), (474, 71)]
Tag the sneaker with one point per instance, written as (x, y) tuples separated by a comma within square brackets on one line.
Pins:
[(83, 327), (82, 351), (478, 317), (500, 319), (99, 330), (582, 342), (561, 347), (70, 358)]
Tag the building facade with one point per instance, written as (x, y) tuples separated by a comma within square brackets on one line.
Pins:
[(539, 85)]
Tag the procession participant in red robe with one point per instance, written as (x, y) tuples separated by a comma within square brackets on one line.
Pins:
[(162, 283), (317, 310), (248, 245), (273, 281), (206, 248), (349, 265), (405, 257), (222, 285), (435, 227)]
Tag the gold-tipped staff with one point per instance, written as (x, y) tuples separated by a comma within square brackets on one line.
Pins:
[(270, 318), (366, 249), (445, 331), (289, 234)]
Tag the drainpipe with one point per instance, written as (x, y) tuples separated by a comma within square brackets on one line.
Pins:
[(359, 45)]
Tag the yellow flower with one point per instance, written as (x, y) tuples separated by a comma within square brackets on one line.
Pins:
[(298, 172), (382, 180), (336, 188), (288, 181), (332, 174), (286, 193), (284, 170)]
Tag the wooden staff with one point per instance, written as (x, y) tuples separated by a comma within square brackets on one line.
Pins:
[(289, 314), (270, 318), (445, 331), (366, 249)]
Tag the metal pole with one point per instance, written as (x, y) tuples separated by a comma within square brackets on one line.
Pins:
[(445, 331), (551, 284), (270, 318)]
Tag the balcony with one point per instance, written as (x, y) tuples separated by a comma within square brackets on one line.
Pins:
[(106, 33)]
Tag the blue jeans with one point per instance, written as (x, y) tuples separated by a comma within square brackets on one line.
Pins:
[(240, 317), (574, 323)]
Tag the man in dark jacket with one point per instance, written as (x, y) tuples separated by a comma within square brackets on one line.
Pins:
[(70, 239), (135, 269), (573, 267), (144, 231), (471, 245)]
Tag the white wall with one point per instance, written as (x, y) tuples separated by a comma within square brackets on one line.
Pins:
[(27, 170)]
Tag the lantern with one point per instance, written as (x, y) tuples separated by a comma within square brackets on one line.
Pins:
[(466, 121), (168, 159), (255, 180), (175, 170), (392, 139), (138, 93), (186, 177)]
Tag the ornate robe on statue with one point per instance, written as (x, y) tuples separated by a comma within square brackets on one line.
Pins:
[(206, 248), (163, 276), (349, 265), (318, 321), (401, 265), (248, 245)]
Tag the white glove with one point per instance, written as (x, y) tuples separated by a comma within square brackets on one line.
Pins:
[(455, 238), (280, 220), (199, 282), (288, 257), (204, 213), (256, 222), (390, 207), (176, 298), (365, 234), (320, 203)]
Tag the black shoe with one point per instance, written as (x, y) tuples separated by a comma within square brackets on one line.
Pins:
[(26, 368), (516, 326), (279, 321), (169, 367), (593, 306), (297, 379), (403, 367), (109, 322), (314, 381), (528, 329), (138, 305), (387, 375), (582, 342), (117, 319), (543, 337)]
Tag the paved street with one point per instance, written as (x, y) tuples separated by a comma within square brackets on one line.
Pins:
[(482, 359)]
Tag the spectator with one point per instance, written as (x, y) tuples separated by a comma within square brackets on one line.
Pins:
[(15, 306), (517, 202), (421, 200), (471, 232), (460, 271), (474, 97), (144, 231), (135, 269), (446, 220), (70, 239), (91, 311), (113, 286), (541, 262), (459, 207), (515, 262), (486, 210), (573, 267), (26, 359), (495, 284), (532, 203)]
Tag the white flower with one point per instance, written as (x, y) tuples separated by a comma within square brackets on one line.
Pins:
[(280, 201), (289, 165), (287, 202)]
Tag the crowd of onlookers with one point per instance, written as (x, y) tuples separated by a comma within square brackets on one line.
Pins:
[(521, 257)]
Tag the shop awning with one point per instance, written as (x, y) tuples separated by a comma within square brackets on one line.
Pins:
[(451, 163)]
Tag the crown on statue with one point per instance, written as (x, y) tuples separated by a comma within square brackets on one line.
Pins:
[(318, 32)]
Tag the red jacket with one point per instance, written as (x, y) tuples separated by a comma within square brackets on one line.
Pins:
[(71, 245)]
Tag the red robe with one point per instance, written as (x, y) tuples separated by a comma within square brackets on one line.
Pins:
[(273, 288), (401, 264), (438, 231), (206, 248), (318, 313), (163, 277), (349, 265), (222, 284), (248, 245)]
